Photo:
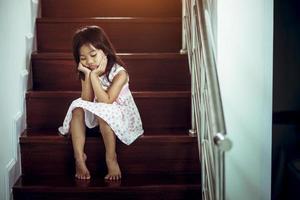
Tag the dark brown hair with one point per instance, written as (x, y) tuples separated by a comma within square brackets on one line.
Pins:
[(95, 36)]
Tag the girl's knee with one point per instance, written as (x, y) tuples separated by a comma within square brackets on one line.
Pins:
[(78, 113)]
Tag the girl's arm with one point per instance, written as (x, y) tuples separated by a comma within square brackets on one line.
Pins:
[(87, 93), (113, 91)]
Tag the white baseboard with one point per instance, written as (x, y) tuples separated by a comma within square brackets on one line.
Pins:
[(12, 173), (13, 167), (17, 129)]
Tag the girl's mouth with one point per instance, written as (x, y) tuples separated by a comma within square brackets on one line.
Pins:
[(93, 67)]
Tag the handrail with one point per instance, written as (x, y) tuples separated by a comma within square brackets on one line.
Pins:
[(207, 111)]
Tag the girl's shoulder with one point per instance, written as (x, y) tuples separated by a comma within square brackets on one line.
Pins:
[(115, 70)]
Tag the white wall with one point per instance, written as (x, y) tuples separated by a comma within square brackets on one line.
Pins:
[(245, 47), (16, 43)]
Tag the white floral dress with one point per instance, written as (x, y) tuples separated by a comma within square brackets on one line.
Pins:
[(122, 115)]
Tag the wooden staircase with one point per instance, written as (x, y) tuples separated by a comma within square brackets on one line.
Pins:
[(163, 164)]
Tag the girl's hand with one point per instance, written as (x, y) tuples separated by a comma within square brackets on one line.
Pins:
[(83, 69), (102, 66)]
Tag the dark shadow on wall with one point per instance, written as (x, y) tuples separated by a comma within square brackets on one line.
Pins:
[(286, 101)]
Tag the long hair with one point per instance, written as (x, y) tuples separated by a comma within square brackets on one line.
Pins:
[(95, 36)]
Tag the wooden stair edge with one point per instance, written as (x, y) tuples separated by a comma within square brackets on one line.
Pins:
[(54, 137), (95, 189), (145, 186), (111, 19), (97, 184), (68, 55), (136, 94)]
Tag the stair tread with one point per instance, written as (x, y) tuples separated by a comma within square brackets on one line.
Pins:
[(68, 55), (111, 19), (129, 181), (52, 136), (136, 94)]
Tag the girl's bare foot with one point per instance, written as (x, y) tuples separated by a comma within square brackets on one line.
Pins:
[(81, 170), (114, 172)]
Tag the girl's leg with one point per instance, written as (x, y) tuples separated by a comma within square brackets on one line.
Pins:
[(109, 138), (78, 141)]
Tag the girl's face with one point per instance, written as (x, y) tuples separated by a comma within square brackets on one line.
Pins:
[(90, 57)]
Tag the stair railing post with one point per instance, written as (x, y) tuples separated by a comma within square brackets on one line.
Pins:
[(187, 47), (183, 15)]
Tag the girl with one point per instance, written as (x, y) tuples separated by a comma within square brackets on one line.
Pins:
[(105, 101)]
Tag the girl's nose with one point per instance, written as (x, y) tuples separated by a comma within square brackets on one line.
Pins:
[(89, 61)]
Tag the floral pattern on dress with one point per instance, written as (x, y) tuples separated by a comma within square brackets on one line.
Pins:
[(122, 115)]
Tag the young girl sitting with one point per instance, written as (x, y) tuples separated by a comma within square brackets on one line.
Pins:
[(105, 101)]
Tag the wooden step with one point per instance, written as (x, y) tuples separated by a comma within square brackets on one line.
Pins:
[(147, 71), (133, 187), (161, 154), (158, 110), (117, 8), (126, 34)]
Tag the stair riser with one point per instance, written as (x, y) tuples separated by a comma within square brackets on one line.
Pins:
[(141, 157), (147, 74), (126, 36), (179, 193), (117, 8), (157, 113)]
